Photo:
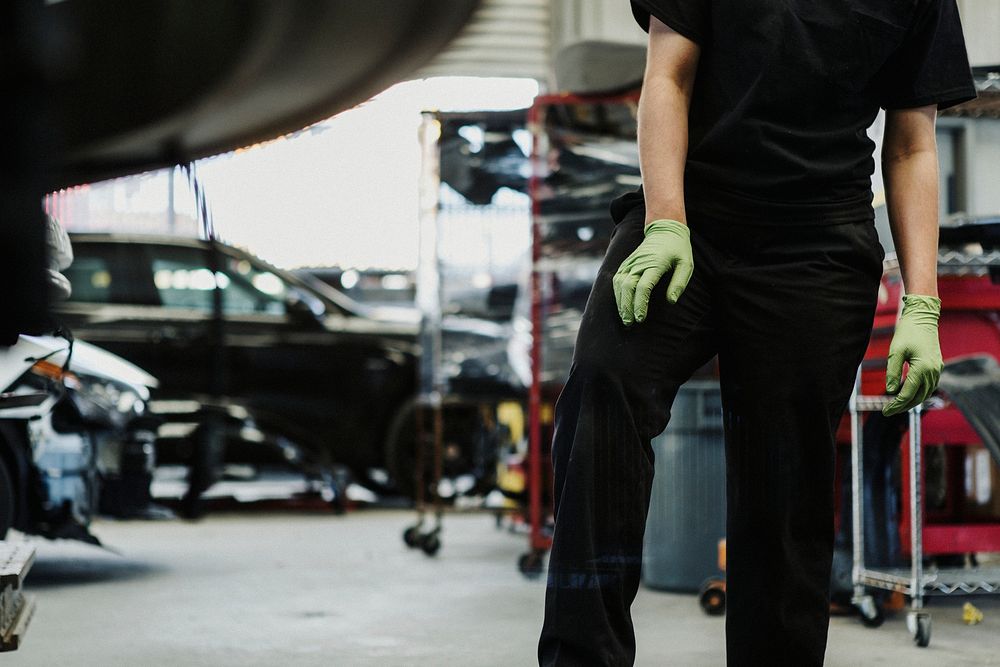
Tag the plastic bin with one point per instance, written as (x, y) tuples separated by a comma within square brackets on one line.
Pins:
[(687, 511)]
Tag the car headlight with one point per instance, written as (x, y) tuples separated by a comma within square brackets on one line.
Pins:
[(112, 396)]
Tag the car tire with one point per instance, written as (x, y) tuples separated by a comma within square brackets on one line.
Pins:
[(400, 451), (401, 444), (6, 500)]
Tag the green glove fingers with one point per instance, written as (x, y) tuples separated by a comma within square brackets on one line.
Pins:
[(640, 302), (913, 393), (916, 343), (623, 284), (683, 271), (666, 247)]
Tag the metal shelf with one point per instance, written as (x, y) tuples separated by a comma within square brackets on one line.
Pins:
[(943, 581), (953, 262), (914, 581)]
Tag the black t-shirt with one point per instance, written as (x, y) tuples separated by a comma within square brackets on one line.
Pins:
[(784, 93)]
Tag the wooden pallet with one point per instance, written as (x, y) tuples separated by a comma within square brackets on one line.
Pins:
[(16, 608)]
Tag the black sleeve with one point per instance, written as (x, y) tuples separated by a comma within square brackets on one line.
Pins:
[(687, 17), (931, 65)]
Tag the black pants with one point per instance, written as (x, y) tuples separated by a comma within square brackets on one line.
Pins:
[(789, 311)]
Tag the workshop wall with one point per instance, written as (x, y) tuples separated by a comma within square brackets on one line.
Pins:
[(505, 38), (608, 20), (981, 23)]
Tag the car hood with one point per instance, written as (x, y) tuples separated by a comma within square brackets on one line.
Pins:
[(477, 355), (87, 359), (405, 318)]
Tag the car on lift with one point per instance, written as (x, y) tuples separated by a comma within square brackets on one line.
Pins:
[(218, 325)]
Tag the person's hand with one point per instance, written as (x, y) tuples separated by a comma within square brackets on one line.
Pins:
[(666, 246), (916, 342)]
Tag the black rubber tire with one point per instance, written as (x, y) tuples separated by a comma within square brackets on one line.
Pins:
[(922, 638), (431, 544), (6, 500), (411, 536), (872, 621), (530, 565), (713, 601), (400, 451), (400, 448)]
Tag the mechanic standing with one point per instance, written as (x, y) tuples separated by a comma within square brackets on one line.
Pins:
[(752, 237)]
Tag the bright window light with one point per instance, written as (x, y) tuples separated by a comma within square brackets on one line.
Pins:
[(345, 194), (349, 278)]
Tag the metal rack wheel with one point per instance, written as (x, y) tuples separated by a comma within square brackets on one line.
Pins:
[(713, 597), (919, 624), (870, 611), (430, 543), (411, 536), (530, 564)]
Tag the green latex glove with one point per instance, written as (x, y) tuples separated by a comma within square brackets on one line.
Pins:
[(916, 342), (667, 246)]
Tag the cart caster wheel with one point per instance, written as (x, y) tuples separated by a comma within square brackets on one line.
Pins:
[(430, 544), (713, 597), (411, 536), (870, 611), (919, 625), (530, 564)]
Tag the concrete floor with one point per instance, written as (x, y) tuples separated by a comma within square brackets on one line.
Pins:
[(314, 589)]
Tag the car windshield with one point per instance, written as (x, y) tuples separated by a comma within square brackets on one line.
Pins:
[(251, 286), (282, 284)]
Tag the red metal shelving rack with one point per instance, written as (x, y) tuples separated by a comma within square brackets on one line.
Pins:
[(539, 539)]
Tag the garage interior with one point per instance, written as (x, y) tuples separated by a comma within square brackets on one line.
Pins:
[(293, 289)]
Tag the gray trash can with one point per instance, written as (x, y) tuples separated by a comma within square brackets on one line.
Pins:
[(687, 510)]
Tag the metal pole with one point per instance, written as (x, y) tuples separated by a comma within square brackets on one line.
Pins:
[(916, 512), (419, 453), (438, 460), (432, 384), (857, 490), (535, 392), (171, 212)]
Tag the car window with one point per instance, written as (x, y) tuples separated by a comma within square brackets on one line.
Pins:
[(91, 279), (98, 275), (250, 289), (184, 279)]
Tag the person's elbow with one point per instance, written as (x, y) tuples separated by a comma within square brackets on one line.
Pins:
[(909, 133), (671, 58)]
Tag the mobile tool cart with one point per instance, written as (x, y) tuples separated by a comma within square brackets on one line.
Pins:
[(473, 226), (917, 581)]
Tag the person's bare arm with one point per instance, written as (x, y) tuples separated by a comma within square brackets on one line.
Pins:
[(910, 169), (671, 62)]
